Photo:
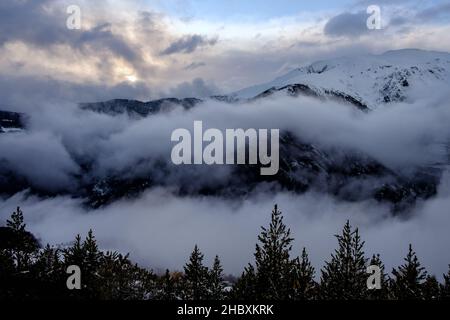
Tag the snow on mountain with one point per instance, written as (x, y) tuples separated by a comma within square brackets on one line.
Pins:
[(367, 81)]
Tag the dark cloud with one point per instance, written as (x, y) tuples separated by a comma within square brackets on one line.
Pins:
[(31, 22), (28, 21), (101, 37), (430, 15), (188, 44), (195, 65), (347, 24), (435, 13), (197, 88)]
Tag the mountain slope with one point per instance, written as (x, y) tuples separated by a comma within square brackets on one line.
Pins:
[(135, 107), (367, 81)]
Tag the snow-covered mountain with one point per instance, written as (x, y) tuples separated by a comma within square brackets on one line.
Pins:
[(367, 81)]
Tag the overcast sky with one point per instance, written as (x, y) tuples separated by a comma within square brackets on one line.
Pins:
[(147, 49)]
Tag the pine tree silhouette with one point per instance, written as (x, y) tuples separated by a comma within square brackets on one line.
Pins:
[(431, 289), (409, 278), (167, 288), (48, 270), (23, 244), (245, 287), (383, 293), (18, 247), (304, 286), (120, 279), (16, 222), (272, 258), (344, 277), (216, 285), (28, 272), (196, 277), (445, 287), (86, 256)]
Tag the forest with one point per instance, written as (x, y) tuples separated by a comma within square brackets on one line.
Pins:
[(32, 271)]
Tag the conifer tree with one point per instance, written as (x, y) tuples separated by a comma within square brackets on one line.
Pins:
[(16, 222), (272, 257), (18, 248), (245, 286), (304, 286), (431, 289), (22, 244), (48, 264), (86, 256), (7, 272), (48, 274), (344, 277), (121, 279), (383, 293), (445, 287), (409, 278), (93, 254), (215, 282), (166, 289), (196, 277)]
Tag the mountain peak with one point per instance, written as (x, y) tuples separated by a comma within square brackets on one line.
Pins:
[(372, 80)]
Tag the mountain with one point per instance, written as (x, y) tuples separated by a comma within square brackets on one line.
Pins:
[(346, 174), (366, 81), (139, 108)]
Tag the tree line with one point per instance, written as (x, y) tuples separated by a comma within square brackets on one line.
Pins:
[(30, 271)]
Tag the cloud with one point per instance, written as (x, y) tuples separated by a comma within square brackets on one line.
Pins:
[(101, 38), (399, 137), (115, 45), (160, 229), (196, 88), (43, 23), (54, 169), (195, 65), (25, 94), (188, 44), (435, 13), (38, 26), (347, 24)]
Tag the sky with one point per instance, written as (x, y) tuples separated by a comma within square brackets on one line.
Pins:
[(148, 49), (235, 9)]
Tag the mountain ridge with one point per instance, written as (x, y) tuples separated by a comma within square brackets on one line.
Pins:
[(365, 81), (372, 80)]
